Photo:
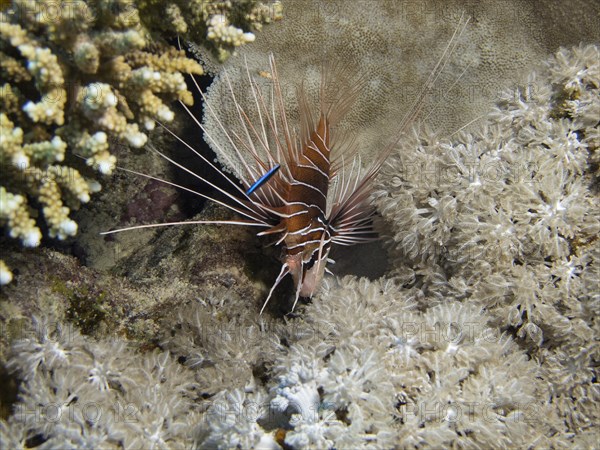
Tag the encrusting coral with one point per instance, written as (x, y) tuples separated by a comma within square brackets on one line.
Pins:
[(393, 45)]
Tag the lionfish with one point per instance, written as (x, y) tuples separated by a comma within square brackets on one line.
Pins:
[(301, 184)]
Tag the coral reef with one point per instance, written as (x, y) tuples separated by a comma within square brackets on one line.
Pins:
[(483, 335), (508, 216), (401, 377), (81, 79), (507, 219), (119, 318), (78, 79)]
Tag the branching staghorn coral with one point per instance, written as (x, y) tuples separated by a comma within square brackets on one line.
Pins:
[(218, 24), (77, 78)]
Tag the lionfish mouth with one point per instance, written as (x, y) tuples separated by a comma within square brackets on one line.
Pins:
[(301, 183)]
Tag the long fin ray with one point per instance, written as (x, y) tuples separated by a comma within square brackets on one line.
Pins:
[(207, 197), (242, 203), (357, 198), (186, 222)]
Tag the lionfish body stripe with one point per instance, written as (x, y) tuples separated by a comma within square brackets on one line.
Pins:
[(306, 235), (315, 194)]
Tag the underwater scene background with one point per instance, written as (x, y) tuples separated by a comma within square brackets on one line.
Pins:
[(471, 323)]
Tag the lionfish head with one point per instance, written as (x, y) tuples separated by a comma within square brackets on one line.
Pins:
[(308, 268)]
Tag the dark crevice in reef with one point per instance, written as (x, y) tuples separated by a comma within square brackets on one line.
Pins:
[(190, 133), (8, 393)]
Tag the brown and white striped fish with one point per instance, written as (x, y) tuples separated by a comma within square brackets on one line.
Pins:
[(320, 196)]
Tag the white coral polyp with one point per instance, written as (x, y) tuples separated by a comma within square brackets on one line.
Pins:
[(6, 275), (302, 398), (99, 96), (67, 227), (50, 111), (307, 435), (249, 37), (32, 238), (104, 163), (110, 100), (165, 114), (94, 186), (137, 140), (20, 160), (99, 376), (105, 167), (9, 203), (60, 147), (149, 124), (146, 73), (29, 108), (100, 137)]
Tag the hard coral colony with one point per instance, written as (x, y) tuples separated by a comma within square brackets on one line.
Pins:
[(81, 79)]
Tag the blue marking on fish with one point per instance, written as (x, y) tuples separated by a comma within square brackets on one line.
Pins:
[(262, 180)]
